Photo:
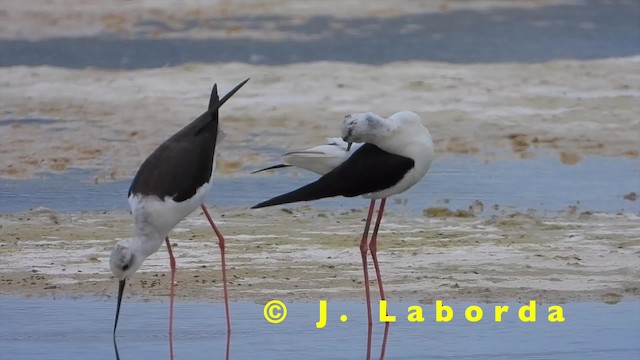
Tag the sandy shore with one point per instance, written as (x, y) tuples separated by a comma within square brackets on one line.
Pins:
[(111, 120), (302, 253)]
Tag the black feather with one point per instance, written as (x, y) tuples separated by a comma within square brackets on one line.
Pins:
[(271, 168), (183, 163), (369, 169)]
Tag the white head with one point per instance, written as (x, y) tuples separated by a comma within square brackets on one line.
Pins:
[(372, 128), (126, 258), (364, 127)]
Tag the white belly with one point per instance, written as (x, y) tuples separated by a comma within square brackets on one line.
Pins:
[(160, 216)]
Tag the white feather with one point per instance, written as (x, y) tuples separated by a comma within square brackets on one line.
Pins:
[(322, 158)]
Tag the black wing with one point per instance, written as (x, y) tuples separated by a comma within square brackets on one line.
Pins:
[(183, 163), (180, 165), (368, 170), (176, 169)]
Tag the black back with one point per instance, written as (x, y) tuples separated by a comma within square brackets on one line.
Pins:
[(183, 163), (368, 170)]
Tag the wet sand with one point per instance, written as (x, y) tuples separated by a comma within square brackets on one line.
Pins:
[(300, 253), (110, 120)]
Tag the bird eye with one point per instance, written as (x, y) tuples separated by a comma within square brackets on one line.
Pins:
[(127, 266)]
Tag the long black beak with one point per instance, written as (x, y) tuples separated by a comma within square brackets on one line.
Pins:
[(115, 325), (349, 146), (120, 291)]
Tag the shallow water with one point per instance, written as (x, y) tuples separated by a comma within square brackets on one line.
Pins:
[(81, 329), (594, 29), (29, 121), (543, 184)]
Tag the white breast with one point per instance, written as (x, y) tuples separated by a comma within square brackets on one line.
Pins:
[(152, 214)]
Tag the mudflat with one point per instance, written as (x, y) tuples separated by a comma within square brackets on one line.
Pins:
[(305, 253)]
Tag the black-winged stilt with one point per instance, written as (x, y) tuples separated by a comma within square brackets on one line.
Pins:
[(396, 154), (170, 184)]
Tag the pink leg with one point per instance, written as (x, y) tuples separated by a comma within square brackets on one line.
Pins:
[(363, 251), (224, 266), (373, 246), (172, 263)]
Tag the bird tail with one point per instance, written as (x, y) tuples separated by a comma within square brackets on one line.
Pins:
[(212, 108), (214, 98), (211, 115), (271, 168), (314, 191), (227, 96)]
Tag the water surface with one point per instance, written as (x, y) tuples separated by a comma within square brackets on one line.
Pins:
[(81, 329), (591, 30), (543, 184)]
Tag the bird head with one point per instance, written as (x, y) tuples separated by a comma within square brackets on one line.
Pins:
[(124, 261), (363, 127)]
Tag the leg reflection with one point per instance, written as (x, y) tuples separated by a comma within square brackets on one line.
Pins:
[(171, 346), (384, 340), (228, 345)]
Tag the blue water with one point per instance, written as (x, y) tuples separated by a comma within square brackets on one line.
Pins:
[(81, 329), (543, 184), (590, 29), (28, 121)]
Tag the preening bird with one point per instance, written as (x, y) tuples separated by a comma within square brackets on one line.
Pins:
[(396, 153)]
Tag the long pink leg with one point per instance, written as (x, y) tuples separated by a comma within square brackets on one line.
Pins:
[(373, 246), (172, 264), (363, 251), (224, 266)]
